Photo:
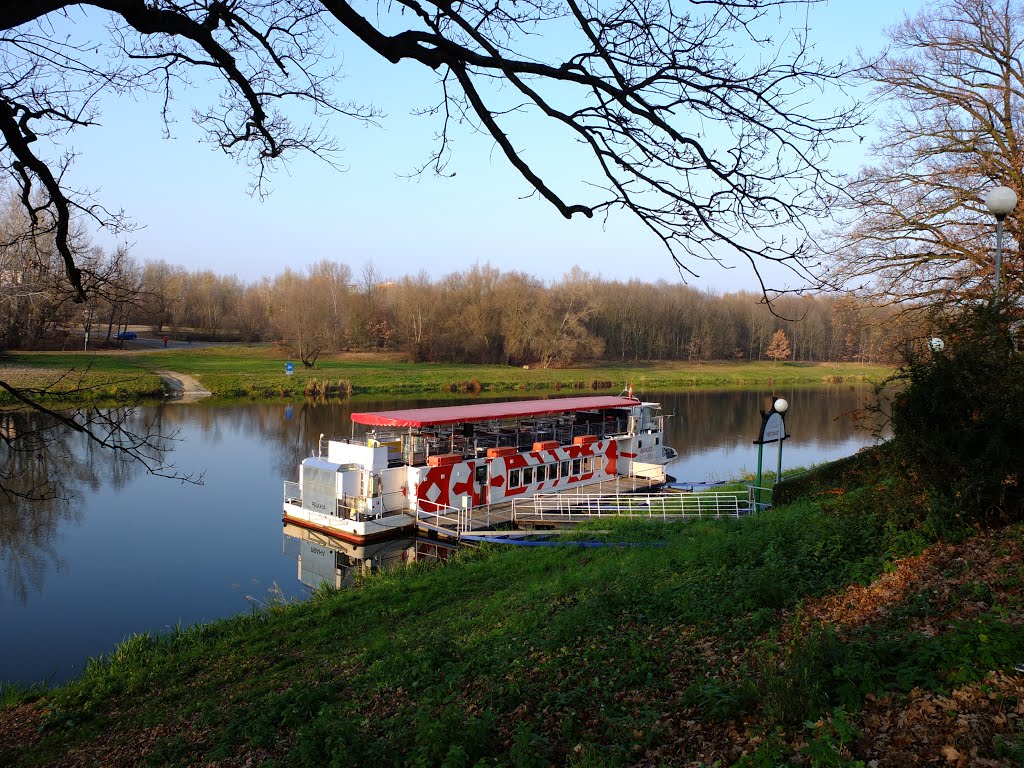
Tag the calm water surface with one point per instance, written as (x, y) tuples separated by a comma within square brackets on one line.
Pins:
[(129, 552)]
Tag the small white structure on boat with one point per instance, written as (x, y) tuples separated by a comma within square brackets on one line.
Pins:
[(466, 457)]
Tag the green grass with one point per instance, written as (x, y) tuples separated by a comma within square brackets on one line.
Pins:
[(239, 371), (536, 657), (71, 378)]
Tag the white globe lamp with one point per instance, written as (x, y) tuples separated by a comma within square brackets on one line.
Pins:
[(781, 406), (1000, 201), (935, 344)]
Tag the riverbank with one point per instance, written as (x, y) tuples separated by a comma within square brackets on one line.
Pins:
[(819, 633), (258, 372)]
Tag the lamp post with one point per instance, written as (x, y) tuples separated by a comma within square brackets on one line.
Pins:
[(773, 429), (1000, 201), (780, 406)]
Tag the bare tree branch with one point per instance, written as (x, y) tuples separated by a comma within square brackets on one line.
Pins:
[(915, 229)]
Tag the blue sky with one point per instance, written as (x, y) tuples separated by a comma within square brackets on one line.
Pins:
[(192, 204)]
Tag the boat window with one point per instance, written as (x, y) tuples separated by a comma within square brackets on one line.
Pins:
[(552, 471), (657, 441), (481, 474), (576, 463), (639, 444), (565, 469), (588, 464), (514, 479), (527, 475)]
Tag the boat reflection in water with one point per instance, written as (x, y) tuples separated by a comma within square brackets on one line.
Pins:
[(327, 559)]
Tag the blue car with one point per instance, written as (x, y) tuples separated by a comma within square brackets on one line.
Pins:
[(127, 335)]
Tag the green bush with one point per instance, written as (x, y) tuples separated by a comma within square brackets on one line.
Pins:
[(957, 417)]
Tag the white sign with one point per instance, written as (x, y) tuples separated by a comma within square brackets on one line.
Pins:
[(774, 429)]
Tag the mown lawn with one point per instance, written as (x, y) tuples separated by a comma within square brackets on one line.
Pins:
[(814, 634), (71, 378), (240, 371)]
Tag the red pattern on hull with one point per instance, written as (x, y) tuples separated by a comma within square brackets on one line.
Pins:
[(450, 488)]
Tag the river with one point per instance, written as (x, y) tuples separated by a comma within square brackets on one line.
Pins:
[(125, 552)]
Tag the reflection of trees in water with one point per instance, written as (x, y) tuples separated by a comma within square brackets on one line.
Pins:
[(292, 430), (44, 467), (705, 420)]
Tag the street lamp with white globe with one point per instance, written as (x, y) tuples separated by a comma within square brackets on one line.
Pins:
[(1000, 202), (773, 430), (781, 406)]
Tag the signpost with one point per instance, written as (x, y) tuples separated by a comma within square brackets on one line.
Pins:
[(289, 369), (773, 430)]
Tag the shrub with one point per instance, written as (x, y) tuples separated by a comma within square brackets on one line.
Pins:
[(957, 416)]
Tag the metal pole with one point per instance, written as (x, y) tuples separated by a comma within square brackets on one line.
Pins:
[(999, 254), (757, 484), (778, 471)]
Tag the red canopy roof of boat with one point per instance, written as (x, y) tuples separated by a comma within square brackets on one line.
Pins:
[(460, 414)]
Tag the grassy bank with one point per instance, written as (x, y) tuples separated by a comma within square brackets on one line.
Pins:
[(817, 633), (71, 378), (237, 371)]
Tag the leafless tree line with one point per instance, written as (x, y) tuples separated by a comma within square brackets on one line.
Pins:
[(481, 315), (36, 302), (486, 315)]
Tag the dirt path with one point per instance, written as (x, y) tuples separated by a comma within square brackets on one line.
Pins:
[(183, 389)]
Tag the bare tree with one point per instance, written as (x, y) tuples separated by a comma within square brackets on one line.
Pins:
[(713, 149), (300, 306), (916, 229), (572, 304)]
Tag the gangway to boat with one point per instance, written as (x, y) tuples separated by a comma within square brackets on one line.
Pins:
[(574, 508), (444, 521)]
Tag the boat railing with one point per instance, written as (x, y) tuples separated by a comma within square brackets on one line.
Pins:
[(555, 508), (416, 453), (292, 493), (444, 519)]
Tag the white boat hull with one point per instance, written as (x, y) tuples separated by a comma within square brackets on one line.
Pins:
[(354, 531)]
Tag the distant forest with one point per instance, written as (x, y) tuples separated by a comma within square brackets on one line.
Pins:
[(483, 315)]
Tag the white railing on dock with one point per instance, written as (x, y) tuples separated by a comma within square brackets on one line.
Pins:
[(445, 519), (759, 498), (675, 506)]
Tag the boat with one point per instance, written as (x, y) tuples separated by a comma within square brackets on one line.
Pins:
[(411, 465)]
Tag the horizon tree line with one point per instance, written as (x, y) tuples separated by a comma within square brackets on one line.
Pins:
[(486, 315)]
